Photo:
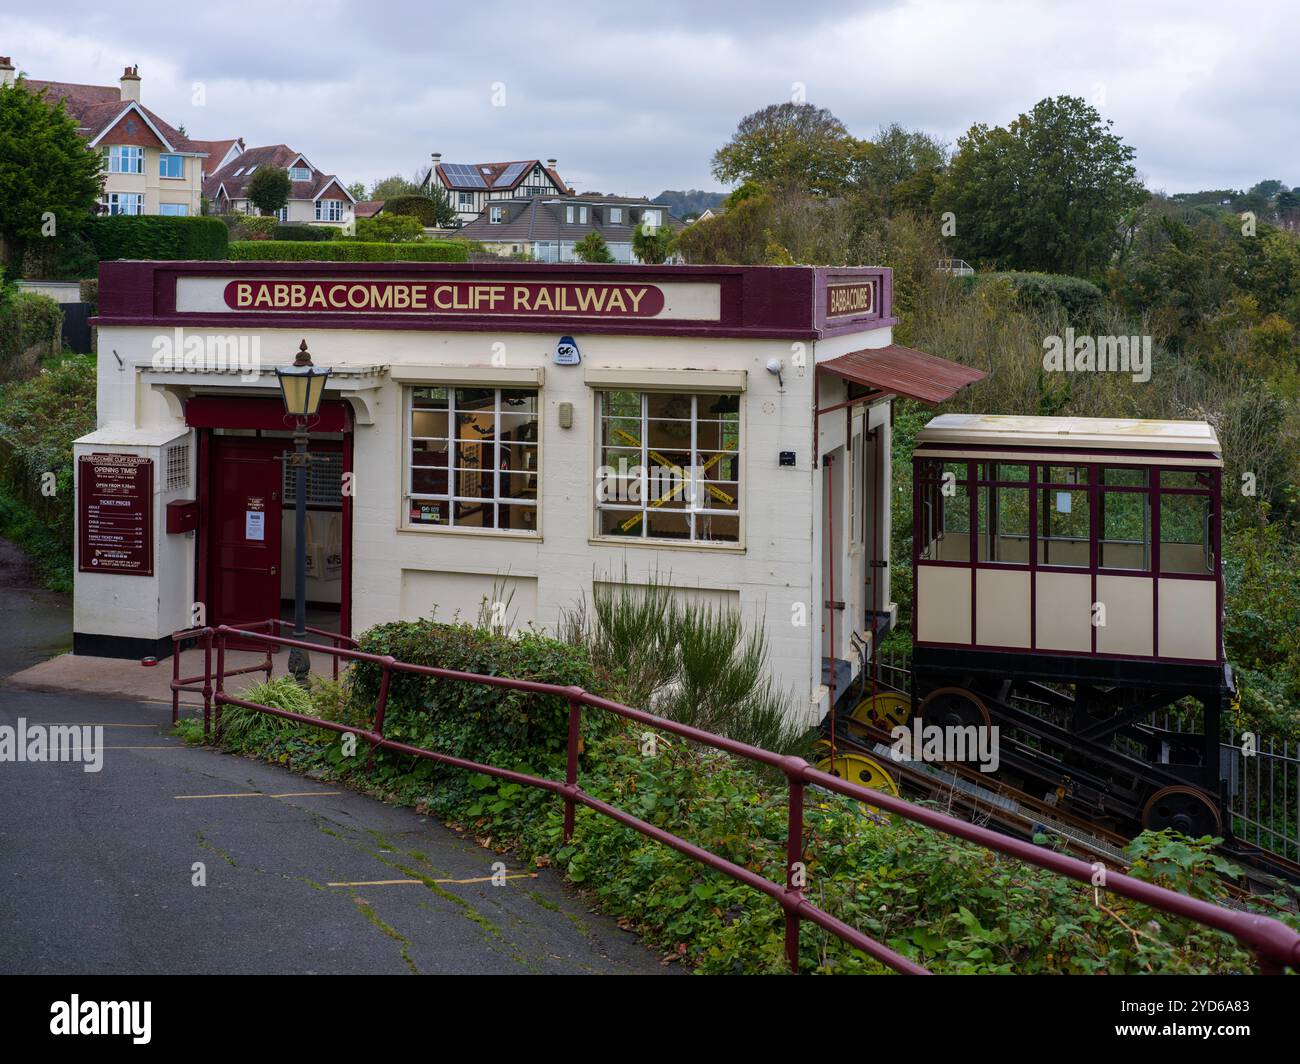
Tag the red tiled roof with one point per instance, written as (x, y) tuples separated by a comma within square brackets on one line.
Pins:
[(97, 108), (217, 149), (368, 208), (901, 370), (236, 174)]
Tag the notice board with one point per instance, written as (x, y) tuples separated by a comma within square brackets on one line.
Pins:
[(115, 514)]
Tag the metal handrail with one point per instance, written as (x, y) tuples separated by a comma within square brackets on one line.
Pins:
[(1274, 944)]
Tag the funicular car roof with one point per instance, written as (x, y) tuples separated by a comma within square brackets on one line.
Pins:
[(1096, 434)]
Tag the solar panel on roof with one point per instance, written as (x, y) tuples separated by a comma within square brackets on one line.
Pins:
[(511, 173), (463, 176)]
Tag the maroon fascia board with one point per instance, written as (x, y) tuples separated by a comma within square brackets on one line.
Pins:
[(759, 302)]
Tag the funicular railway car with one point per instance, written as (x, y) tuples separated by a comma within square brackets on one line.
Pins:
[(1068, 584)]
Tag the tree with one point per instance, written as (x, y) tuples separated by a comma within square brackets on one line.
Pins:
[(397, 185), (790, 146), (1048, 193), (653, 243), (48, 180), (896, 157), (390, 228), (357, 190), (268, 191), (592, 248), (433, 207)]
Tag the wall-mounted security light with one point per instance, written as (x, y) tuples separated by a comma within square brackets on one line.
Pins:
[(774, 366)]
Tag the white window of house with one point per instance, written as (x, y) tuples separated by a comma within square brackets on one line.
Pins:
[(282, 214), (582, 215), (465, 199), (668, 466), (568, 213), (615, 215), (125, 203), (174, 210), (651, 218), (251, 169), (329, 210), (239, 171), (125, 159), (172, 166), (497, 215), (299, 173), (472, 458)]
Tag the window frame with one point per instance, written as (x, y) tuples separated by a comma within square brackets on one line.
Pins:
[(334, 212), (163, 159), (694, 510), (496, 500), (119, 153), (138, 197)]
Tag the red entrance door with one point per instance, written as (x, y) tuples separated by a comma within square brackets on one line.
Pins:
[(244, 555)]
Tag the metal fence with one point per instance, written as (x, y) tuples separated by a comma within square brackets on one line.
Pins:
[(1274, 945)]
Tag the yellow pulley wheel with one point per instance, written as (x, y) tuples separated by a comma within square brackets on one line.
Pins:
[(862, 770), (884, 710)]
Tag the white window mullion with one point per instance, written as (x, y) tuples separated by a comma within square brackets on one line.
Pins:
[(453, 456), (692, 502), (645, 465)]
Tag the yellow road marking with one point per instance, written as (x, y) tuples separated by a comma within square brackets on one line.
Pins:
[(398, 882), (257, 794)]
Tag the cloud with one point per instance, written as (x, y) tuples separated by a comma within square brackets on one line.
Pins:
[(635, 100)]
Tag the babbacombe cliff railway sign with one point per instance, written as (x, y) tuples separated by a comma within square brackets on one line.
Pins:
[(715, 420)]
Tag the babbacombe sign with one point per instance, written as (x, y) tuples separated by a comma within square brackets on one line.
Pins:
[(485, 297)]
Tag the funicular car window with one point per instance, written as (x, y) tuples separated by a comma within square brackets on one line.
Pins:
[(943, 498), (1125, 518), (1003, 513), (1064, 516), (1186, 522)]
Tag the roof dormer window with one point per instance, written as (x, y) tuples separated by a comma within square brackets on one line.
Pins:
[(300, 173), (497, 215)]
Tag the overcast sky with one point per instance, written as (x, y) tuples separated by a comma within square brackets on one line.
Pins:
[(635, 99)]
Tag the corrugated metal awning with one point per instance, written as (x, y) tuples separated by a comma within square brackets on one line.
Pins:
[(901, 370)]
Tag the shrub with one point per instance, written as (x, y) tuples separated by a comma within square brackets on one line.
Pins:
[(346, 251), (31, 327), (1079, 299), (390, 228), (493, 725), (122, 236), (68, 258), (421, 207), (303, 232)]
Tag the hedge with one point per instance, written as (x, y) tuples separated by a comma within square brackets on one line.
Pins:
[(346, 251), (31, 328), (124, 236), (1080, 299), (421, 207), (304, 232)]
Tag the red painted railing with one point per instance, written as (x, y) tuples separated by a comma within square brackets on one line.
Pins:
[(1274, 944)]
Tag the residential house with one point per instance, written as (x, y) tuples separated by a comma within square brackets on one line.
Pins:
[(219, 152), (545, 228), (470, 187), (315, 197), (150, 167)]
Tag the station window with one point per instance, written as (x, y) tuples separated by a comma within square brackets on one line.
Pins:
[(1125, 518), (1003, 532), (473, 458), (668, 466)]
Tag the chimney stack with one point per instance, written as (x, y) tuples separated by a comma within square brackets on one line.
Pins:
[(550, 164), (6, 71), (436, 157), (130, 83)]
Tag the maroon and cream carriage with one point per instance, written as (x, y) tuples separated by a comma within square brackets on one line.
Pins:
[(1067, 588)]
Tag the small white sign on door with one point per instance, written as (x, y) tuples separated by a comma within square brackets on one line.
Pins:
[(255, 524)]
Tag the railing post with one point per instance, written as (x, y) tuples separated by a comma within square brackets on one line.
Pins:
[(571, 765), (794, 875), (221, 682), (176, 679), (207, 678), (380, 705)]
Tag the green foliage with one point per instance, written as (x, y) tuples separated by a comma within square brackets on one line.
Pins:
[(39, 419), (269, 189), (653, 244), (46, 174), (347, 251), (146, 236), (1046, 193), (390, 228), (592, 248), (301, 231), (243, 728), (432, 208), (1080, 299), (790, 147), (395, 186), (31, 326)]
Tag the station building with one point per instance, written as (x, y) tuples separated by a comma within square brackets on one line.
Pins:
[(499, 435)]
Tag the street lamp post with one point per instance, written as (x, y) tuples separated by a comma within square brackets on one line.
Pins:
[(301, 386)]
